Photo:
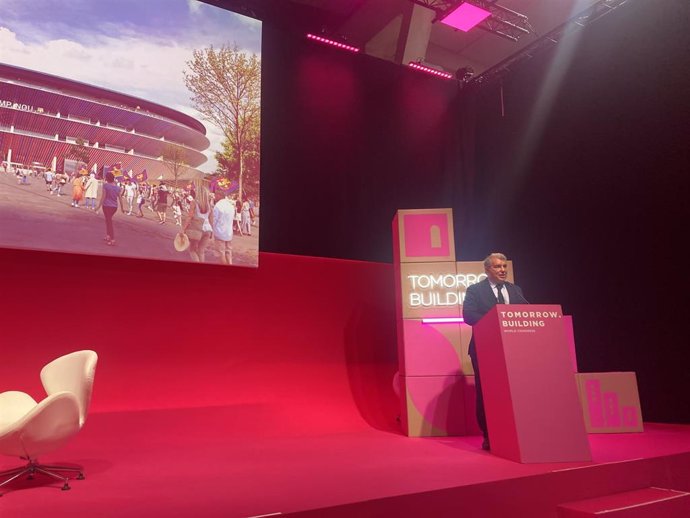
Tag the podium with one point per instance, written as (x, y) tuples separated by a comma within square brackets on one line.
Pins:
[(530, 391)]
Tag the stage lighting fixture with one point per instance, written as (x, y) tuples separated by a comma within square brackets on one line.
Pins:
[(333, 43), (465, 16), (464, 74), (429, 70)]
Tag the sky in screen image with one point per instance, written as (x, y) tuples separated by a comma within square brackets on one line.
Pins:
[(137, 47)]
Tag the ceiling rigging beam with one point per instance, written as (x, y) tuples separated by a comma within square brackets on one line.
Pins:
[(581, 20)]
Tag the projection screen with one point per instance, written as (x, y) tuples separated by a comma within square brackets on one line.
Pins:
[(130, 128)]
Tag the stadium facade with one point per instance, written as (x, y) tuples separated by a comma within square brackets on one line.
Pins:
[(42, 117)]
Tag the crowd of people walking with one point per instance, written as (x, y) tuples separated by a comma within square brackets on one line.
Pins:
[(209, 220)]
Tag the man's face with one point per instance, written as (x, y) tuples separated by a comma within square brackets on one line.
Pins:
[(497, 271)]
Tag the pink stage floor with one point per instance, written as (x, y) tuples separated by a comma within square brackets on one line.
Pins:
[(237, 461), (278, 401)]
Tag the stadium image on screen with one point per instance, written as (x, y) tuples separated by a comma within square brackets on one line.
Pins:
[(118, 137)]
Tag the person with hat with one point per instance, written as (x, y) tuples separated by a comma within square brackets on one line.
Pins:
[(223, 220), (91, 191), (77, 189)]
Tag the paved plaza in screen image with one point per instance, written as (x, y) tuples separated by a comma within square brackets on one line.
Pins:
[(32, 218)]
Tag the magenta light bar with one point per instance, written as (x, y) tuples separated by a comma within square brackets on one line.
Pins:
[(465, 17), (429, 70), (443, 320), (333, 43)]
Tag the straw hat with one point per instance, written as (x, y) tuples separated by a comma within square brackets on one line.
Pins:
[(181, 242)]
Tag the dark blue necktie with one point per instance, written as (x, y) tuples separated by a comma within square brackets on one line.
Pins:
[(499, 290)]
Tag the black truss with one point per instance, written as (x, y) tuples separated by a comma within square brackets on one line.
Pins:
[(550, 40)]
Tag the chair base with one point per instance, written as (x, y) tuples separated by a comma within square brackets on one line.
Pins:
[(33, 466)]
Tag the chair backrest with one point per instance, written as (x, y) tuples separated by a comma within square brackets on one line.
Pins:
[(73, 373)]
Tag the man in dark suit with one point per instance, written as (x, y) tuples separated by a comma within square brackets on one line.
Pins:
[(479, 299)]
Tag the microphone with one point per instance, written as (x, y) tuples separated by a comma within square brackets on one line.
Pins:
[(523, 296)]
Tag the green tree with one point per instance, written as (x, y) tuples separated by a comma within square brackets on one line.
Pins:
[(175, 159), (229, 166), (225, 84), (78, 152)]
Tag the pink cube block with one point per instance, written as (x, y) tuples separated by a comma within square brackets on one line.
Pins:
[(433, 405)]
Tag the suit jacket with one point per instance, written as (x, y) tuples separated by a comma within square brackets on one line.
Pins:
[(480, 298)]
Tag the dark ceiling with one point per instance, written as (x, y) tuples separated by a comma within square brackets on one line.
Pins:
[(404, 31)]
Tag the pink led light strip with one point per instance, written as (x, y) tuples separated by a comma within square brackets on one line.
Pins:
[(443, 320), (333, 43), (430, 70)]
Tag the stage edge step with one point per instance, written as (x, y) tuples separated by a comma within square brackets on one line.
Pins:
[(650, 502)]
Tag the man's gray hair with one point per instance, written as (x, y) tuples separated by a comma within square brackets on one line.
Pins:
[(497, 255)]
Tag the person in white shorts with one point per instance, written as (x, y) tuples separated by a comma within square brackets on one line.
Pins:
[(223, 218)]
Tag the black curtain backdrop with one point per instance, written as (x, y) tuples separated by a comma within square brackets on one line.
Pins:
[(585, 187), (581, 181), (346, 141)]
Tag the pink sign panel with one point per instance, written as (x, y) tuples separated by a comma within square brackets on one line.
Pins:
[(426, 235), (530, 391)]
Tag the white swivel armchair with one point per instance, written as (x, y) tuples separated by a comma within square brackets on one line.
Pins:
[(29, 429)]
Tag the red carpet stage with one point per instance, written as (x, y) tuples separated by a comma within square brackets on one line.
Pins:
[(233, 392)]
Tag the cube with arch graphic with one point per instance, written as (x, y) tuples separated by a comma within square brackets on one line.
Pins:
[(424, 235)]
